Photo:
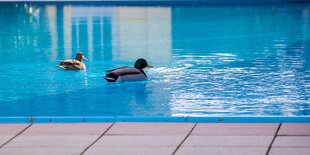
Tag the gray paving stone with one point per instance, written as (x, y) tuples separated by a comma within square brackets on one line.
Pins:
[(156, 138), (150, 129), (292, 141), (268, 129), (139, 141), (5, 138), (221, 151), (242, 141), (67, 129), (40, 151), (52, 141), (8, 131), (131, 151), (295, 129), (12, 129), (289, 151)]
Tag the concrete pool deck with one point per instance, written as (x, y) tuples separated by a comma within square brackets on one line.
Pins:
[(155, 138)]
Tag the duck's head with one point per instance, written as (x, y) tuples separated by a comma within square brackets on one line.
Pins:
[(80, 56), (141, 63)]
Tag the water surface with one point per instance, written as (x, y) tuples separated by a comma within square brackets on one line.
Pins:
[(209, 60)]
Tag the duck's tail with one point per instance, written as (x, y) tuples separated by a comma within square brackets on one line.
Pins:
[(59, 67), (111, 77)]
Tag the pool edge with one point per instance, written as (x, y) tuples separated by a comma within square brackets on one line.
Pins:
[(105, 119)]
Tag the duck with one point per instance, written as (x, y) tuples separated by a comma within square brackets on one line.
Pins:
[(123, 74), (76, 64)]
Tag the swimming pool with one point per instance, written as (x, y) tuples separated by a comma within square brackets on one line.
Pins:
[(210, 60)]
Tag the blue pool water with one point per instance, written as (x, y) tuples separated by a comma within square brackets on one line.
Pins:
[(247, 60)]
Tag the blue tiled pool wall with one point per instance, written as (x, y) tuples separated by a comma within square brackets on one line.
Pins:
[(97, 119), (158, 2)]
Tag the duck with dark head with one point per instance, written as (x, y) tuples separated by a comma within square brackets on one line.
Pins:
[(128, 73), (76, 64)]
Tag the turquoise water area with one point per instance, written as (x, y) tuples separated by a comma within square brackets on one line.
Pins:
[(240, 60)]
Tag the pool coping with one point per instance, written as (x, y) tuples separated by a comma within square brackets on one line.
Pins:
[(105, 119)]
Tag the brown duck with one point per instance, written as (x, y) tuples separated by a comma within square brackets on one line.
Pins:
[(76, 64)]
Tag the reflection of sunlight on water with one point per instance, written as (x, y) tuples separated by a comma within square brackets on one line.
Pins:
[(84, 74), (167, 70), (225, 54), (205, 90)]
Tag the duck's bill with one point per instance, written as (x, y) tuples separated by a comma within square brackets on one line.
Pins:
[(85, 59), (149, 65)]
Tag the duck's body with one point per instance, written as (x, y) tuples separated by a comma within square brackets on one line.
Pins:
[(125, 74), (128, 73), (74, 64)]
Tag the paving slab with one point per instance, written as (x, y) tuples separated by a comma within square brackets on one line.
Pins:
[(54, 141), (138, 141), (221, 151), (236, 141), (298, 141), (39, 151), (67, 129), (255, 129), (295, 129), (12, 129), (131, 151), (289, 151), (8, 131), (156, 138), (46, 138), (150, 129), (4, 139)]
